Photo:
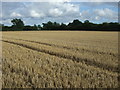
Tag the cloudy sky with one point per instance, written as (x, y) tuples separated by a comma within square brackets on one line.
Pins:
[(62, 11)]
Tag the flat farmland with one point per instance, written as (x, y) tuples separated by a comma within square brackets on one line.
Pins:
[(57, 59)]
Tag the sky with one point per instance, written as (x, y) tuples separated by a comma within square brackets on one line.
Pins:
[(63, 11)]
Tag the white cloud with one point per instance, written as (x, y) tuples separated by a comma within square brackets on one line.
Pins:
[(66, 7), (7, 21), (100, 12), (106, 13), (36, 0), (38, 12), (72, 8), (54, 0), (86, 15), (51, 9), (60, 0), (96, 15), (90, 0), (97, 18), (55, 12), (33, 13), (14, 14), (42, 11)]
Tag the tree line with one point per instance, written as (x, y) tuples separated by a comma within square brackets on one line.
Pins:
[(75, 25)]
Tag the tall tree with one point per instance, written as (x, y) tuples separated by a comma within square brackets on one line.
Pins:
[(18, 24), (39, 27)]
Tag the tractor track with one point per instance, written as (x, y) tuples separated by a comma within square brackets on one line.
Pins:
[(76, 59), (68, 48)]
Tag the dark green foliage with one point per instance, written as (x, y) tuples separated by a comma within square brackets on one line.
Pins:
[(79, 26), (75, 25), (18, 25), (39, 27), (28, 28), (63, 26), (51, 26), (32, 28)]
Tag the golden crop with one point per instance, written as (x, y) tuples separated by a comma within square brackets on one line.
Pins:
[(56, 59)]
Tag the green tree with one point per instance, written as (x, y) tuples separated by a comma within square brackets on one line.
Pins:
[(87, 25), (35, 27), (63, 26), (18, 24), (39, 27), (75, 25)]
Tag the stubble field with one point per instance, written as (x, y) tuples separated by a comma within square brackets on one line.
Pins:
[(56, 59)]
